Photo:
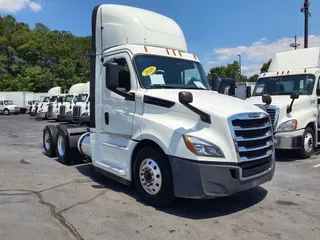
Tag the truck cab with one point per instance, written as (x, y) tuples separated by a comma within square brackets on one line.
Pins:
[(155, 122), (65, 109), (292, 82), (42, 110), (31, 106), (7, 107), (53, 108), (81, 110)]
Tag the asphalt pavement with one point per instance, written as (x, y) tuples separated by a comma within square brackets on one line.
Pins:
[(41, 198)]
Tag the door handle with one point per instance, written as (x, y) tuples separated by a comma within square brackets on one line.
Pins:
[(106, 118)]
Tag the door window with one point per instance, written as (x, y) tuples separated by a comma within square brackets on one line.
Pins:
[(318, 88), (124, 74)]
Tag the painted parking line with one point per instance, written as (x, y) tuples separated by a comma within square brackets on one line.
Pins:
[(316, 166)]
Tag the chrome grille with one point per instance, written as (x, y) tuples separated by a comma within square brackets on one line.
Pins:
[(253, 138), (76, 111), (272, 113), (62, 110)]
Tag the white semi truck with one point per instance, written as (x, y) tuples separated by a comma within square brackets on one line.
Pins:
[(65, 110), (292, 81), (53, 108), (42, 109), (81, 110), (154, 120)]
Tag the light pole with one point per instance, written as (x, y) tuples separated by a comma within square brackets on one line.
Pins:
[(305, 10), (240, 66)]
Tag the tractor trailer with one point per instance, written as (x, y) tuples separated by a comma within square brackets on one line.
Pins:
[(155, 122)]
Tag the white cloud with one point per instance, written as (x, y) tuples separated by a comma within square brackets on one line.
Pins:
[(13, 6), (254, 55)]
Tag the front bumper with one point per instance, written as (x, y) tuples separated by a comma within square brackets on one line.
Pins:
[(54, 116), (289, 140), (41, 115), (208, 180)]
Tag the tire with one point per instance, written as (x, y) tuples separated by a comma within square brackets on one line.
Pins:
[(153, 177), (307, 143), (6, 111), (65, 154), (49, 140)]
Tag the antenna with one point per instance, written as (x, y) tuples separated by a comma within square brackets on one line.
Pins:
[(295, 45), (101, 35)]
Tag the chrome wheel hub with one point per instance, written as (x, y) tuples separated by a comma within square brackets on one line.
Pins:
[(61, 146), (150, 176), (47, 141), (308, 142)]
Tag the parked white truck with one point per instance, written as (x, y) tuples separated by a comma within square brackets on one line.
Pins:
[(292, 81), (65, 110), (42, 109), (154, 120), (53, 108), (81, 110), (7, 107)]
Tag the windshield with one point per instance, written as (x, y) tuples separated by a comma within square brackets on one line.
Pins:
[(165, 72), (285, 85), (68, 98), (53, 98), (46, 99), (8, 102), (82, 97)]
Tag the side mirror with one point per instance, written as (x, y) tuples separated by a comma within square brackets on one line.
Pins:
[(185, 97), (294, 95), (248, 92), (266, 99), (112, 76), (215, 82)]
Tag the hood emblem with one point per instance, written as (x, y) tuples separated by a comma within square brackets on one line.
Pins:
[(257, 115)]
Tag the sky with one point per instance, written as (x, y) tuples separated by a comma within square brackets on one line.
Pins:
[(215, 30)]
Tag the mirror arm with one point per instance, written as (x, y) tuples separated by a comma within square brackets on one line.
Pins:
[(128, 96), (203, 116), (289, 108), (265, 107)]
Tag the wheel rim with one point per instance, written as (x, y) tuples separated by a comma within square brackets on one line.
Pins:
[(61, 146), (6, 112), (150, 176), (47, 141), (308, 142)]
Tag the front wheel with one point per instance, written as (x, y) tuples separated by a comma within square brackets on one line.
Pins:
[(6, 112), (307, 144), (153, 177)]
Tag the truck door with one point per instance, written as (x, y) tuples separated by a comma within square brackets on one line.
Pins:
[(117, 113), (318, 101)]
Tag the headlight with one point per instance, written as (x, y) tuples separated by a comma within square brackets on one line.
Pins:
[(288, 126), (201, 147)]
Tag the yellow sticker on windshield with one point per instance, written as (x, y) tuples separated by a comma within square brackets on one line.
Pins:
[(149, 70)]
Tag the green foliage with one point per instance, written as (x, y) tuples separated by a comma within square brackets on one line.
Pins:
[(265, 67), (253, 78), (232, 70), (38, 59)]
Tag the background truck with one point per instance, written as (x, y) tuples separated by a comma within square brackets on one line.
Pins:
[(53, 108), (293, 84), (154, 120), (7, 107), (65, 110), (20, 99), (81, 110), (42, 110)]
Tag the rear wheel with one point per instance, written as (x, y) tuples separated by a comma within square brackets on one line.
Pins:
[(153, 177), (6, 111), (307, 144), (49, 140), (66, 154)]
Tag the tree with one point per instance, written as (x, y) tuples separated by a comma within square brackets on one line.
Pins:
[(31, 58), (231, 70), (265, 67), (253, 78)]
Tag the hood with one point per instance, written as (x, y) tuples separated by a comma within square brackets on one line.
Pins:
[(282, 101), (207, 101)]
